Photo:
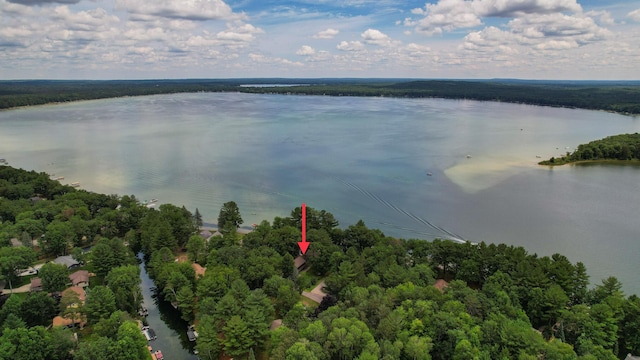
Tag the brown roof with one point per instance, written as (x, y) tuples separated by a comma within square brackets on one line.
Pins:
[(79, 276), (198, 269), (299, 262), (275, 324), (78, 290), (440, 284), (60, 321)]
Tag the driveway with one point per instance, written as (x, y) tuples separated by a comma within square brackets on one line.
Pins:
[(316, 294)]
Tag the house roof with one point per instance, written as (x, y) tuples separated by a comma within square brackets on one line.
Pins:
[(631, 357), (78, 290), (205, 234), (198, 269), (275, 324), (67, 261), (16, 243), (60, 321), (440, 284), (299, 262), (79, 276)]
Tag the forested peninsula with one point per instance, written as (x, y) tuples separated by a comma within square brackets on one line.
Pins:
[(383, 297), (619, 148), (615, 96)]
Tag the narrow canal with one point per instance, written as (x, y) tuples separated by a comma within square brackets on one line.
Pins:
[(165, 320)]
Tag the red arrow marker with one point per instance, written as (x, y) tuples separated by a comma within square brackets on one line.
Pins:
[(304, 245)]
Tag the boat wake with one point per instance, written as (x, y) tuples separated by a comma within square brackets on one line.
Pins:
[(439, 231)]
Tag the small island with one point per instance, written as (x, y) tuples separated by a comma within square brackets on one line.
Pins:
[(618, 148)]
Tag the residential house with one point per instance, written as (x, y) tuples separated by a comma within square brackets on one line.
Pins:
[(205, 234), (199, 270), (80, 278), (300, 263), (71, 319), (67, 261)]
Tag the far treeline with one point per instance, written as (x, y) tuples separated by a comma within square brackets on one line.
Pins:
[(616, 96), (625, 147), (501, 302)]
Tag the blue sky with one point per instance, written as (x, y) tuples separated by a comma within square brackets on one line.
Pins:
[(141, 39)]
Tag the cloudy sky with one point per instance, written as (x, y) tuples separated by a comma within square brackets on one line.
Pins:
[(139, 39)]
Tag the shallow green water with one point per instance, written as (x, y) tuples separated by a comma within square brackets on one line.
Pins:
[(358, 158)]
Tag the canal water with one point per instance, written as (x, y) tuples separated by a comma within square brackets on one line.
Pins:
[(166, 322)]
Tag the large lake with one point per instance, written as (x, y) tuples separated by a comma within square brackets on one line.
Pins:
[(359, 158)]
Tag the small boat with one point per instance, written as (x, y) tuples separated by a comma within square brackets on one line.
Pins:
[(159, 355), (468, 156), (538, 156), (190, 335), (75, 184), (429, 174), (151, 205), (153, 200), (60, 178), (148, 333)]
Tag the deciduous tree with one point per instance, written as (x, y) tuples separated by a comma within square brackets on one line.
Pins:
[(55, 277)]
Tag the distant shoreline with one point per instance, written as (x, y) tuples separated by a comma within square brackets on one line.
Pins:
[(621, 97), (634, 162)]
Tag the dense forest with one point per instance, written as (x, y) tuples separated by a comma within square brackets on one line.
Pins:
[(622, 96), (493, 301), (622, 147)]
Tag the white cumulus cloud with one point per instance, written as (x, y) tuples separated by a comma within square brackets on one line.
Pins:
[(510, 8), (350, 46), (634, 15), (326, 34), (184, 9), (448, 15), (375, 37), (306, 50)]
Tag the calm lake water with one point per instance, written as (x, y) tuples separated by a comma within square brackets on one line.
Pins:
[(359, 158)]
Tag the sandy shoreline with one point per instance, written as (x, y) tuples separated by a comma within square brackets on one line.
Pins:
[(477, 174)]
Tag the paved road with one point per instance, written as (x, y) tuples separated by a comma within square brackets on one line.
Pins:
[(21, 289)]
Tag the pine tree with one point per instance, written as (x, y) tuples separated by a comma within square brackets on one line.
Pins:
[(197, 218)]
